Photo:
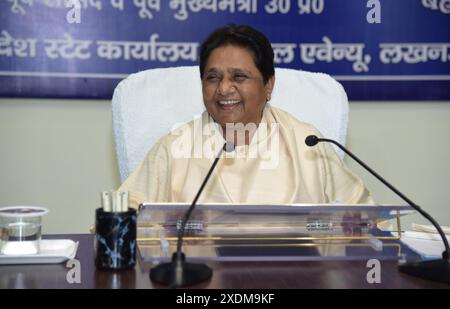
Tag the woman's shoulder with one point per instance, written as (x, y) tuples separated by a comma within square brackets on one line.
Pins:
[(289, 121), (182, 132)]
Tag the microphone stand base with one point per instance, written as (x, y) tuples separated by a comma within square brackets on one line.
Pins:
[(434, 270), (179, 273)]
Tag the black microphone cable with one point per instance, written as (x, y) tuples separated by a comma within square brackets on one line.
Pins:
[(178, 272), (437, 270)]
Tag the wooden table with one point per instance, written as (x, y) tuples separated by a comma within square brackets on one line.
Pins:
[(229, 275)]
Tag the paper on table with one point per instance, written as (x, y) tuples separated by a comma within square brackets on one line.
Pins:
[(425, 244), (429, 228), (52, 252)]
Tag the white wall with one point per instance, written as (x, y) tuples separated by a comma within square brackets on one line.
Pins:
[(60, 154), (409, 144)]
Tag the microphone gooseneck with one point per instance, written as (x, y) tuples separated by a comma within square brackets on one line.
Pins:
[(178, 272), (438, 270), (227, 147)]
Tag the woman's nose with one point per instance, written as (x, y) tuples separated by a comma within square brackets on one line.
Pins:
[(226, 87)]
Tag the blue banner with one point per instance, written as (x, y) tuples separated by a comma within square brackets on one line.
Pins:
[(378, 49)]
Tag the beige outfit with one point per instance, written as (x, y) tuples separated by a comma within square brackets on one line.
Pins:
[(275, 168)]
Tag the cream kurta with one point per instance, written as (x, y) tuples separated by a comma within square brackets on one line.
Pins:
[(276, 168)]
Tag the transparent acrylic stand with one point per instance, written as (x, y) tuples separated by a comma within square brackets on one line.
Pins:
[(297, 232)]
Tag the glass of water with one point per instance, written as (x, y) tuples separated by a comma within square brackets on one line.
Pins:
[(20, 229)]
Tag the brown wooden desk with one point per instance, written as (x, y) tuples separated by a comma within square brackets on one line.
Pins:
[(231, 275)]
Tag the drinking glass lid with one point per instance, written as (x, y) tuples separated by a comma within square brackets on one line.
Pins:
[(22, 211)]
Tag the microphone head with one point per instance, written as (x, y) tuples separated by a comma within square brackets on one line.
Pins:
[(228, 147), (311, 140)]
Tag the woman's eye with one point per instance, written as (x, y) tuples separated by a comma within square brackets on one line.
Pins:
[(240, 77), (212, 78)]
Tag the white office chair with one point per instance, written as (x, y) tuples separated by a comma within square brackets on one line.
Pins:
[(148, 104)]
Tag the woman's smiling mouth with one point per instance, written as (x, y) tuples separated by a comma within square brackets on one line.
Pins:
[(229, 104)]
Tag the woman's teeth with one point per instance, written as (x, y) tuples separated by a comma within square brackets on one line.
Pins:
[(228, 102)]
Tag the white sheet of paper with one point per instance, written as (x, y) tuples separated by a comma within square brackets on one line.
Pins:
[(425, 244)]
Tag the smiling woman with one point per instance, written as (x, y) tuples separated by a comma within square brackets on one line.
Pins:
[(237, 71), (233, 89), (270, 163)]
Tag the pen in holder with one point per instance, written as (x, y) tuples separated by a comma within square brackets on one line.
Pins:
[(115, 228)]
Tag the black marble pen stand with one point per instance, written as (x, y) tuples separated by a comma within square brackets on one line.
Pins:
[(115, 239)]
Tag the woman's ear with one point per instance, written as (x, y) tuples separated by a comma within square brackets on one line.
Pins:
[(269, 88)]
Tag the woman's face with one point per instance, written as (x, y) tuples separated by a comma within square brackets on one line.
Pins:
[(233, 88)]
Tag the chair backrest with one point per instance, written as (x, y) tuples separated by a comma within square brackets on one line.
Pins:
[(148, 104)]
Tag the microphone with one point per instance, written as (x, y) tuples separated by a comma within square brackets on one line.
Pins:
[(311, 140), (178, 272), (435, 270)]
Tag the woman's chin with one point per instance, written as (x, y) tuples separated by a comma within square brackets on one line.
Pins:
[(224, 121), (228, 117)]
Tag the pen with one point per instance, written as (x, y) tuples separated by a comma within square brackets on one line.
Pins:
[(114, 201), (106, 201)]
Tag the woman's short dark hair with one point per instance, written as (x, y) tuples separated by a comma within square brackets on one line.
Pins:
[(242, 36)]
